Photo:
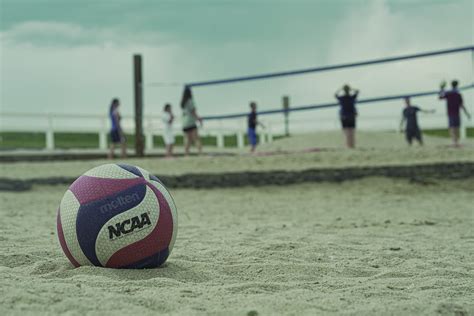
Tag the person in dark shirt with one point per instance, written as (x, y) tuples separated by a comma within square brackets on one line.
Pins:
[(454, 103), (252, 126), (348, 112), (409, 115)]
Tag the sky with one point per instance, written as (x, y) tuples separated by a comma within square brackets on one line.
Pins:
[(73, 57)]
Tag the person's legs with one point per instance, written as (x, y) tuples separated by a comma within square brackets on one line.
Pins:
[(454, 124), (418, 137), (348, 126), (350, 137), (197, 140), (111, 151), (409, 137), (114, 139), (346, 136), (252, 135), (188, 142), (456, 136), (123, 147)]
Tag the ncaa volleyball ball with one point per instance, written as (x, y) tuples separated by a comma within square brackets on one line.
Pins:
[(117, 216)]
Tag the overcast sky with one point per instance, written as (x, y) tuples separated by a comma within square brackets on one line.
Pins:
[(73, 56)]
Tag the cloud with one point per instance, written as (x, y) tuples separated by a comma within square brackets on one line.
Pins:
[(52, 33)]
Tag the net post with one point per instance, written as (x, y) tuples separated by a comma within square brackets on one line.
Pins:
[(138, 91), (286, 113)]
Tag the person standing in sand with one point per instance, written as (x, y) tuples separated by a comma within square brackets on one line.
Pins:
[(116, 133), (348, 112), (168, 136), (409, 115), (454, 103), (190, 118), (252, 126)]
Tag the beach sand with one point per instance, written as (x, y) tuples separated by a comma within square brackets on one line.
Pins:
[(369, 247), (374, 149)]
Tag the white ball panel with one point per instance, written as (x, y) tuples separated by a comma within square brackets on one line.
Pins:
[(174, 211), (110, 171), (145, 173), (105, 247), (68, 211)]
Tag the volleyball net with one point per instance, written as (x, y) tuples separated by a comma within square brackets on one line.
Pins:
[(467, 80)]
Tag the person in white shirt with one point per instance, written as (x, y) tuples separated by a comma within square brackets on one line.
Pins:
[(168, 136)]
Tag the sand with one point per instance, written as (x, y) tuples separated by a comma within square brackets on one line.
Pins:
[(367, 247), (375, 149)]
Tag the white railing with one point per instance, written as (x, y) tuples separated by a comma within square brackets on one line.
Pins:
[(53, 123)]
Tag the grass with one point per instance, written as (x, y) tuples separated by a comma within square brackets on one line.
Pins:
[(442, 132), (22, 140), (79, 140), (37, 140)]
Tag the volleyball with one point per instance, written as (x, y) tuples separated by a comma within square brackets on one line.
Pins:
[(117, 216)]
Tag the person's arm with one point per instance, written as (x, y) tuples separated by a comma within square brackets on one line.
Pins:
[(355, 95), (196, 116), (428, 111), (119, 126), (442, 94), (465, 110), (116, 116), (402, 123), (336, 94)]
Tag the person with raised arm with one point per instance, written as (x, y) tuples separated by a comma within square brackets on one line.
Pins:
[(348, 112), (454, 103)]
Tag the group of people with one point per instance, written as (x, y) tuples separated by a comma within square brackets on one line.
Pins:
[(190, 120), (347, 98)]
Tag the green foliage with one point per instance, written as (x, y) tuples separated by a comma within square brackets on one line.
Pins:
[(37, 140), (76, 140), (23, 140), (444, 132)]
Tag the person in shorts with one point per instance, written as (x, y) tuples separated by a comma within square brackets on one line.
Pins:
[(116, 133), (409, 116), (252, 126), (454, 103), (190, 119), (348, 112), (168, 136)]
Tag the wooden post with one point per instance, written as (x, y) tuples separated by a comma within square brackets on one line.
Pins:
[(286, 107), (138, 89)]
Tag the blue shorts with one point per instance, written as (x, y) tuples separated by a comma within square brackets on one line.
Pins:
[(252, 136), (115, 136), (348, 121), (413, 133), (454, 121)]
